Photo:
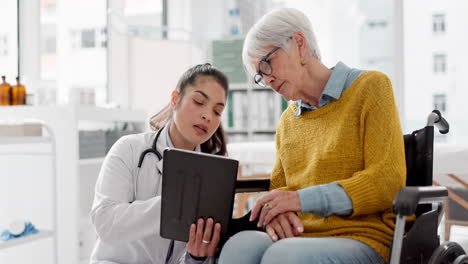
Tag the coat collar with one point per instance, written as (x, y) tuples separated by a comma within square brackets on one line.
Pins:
[(164, 141)]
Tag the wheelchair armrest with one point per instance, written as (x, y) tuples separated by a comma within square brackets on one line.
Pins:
[(408, 198), (252, 185)]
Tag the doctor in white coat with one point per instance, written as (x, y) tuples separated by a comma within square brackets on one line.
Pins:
[(127, 202)]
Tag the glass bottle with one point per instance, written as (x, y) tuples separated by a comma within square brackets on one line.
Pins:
[(18, 93), (5, 90)]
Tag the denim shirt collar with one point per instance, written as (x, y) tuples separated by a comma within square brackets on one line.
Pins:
[(332, 91)]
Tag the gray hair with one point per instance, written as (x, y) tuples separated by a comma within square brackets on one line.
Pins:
[(274, 29)]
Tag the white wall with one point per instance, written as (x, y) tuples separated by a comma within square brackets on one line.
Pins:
[(118, 68), (155, 67)]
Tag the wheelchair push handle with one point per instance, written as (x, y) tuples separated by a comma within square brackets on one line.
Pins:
[(436, 118)]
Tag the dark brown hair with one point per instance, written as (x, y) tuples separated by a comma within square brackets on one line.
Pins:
[(217, 142)]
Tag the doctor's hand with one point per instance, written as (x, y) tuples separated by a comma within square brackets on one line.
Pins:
[(204, 238), (284, 225), (274, 203)]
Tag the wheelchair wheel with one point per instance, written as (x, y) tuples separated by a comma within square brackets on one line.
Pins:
[(447, 253), (463, 259)]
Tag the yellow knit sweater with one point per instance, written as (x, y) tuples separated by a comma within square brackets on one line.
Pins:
[(356, 141)]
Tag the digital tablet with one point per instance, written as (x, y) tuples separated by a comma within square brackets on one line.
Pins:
[(195, 185)]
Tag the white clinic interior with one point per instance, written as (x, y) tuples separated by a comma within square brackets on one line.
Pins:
[(94, 71)]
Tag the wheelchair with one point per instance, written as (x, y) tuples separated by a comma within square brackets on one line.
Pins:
[(420, 244)]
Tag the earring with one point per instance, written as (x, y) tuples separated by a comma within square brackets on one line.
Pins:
[(303, 62)]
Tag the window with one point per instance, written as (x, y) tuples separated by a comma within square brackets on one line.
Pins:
[(78, 41), (49, 46), (88, 38), (439, 63), (48, 7), (102, 38), (438, 23), (377, 24), (3, 46), (75, 39), (440, 102), (9, 40)]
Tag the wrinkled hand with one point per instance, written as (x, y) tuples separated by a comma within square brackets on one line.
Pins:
[(203, 242), (275, 203), (284, 226)]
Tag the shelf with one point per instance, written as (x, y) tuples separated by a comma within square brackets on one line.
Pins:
[(91, 161), (264, 131), (26, 239), (246, 86), (24, 140), (238, 90), (236, 131), (258, 88), (255, 131), (90, 113), (76, 190)]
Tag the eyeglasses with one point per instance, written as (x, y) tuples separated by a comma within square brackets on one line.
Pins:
[(264, 68)]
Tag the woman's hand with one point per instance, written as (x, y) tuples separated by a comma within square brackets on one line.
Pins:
[(284, 226), (203, 242), (275, 203)]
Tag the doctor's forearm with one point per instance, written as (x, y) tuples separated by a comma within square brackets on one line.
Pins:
[(119, 222)]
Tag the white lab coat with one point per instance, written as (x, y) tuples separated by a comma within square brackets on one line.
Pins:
[(129, 232)]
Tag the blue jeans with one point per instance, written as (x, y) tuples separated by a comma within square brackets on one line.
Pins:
[(253, 247)]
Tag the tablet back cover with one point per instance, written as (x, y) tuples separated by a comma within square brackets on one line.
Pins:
[(196, 185)]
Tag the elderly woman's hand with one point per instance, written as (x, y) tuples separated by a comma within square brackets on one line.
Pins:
[(284, 226), (275, 203), (203, 242)]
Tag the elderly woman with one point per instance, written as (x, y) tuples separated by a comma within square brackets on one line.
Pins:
[(339, 154)]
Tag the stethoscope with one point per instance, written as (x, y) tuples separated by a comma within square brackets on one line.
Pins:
[(153, 149)]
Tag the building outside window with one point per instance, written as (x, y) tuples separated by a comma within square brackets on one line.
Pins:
[(438, 23), (49, 46), (439, 102), (3, 46), (88, 38), (439, 63), (9, 40), (102, 37), (377, 24)]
